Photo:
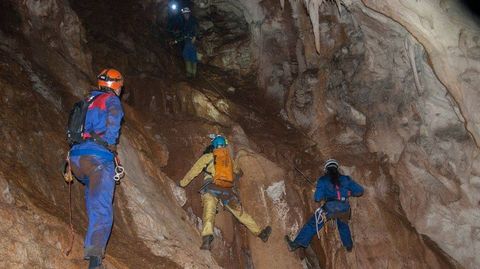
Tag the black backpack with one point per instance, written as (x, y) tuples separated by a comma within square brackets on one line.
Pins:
[(76, 120)]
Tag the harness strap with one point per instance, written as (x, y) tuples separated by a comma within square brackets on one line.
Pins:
[(93, 136), (339, 196), (206, 166), (98, 139)]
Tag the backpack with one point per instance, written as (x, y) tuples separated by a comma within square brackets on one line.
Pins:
[(76, 120), (223, 163)]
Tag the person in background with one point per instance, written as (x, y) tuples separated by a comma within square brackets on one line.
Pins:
[(189, 38), (174, 20)]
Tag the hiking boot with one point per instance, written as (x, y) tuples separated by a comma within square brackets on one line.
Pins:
[(207, 242), (95, 262), (265, 233), (292, 246)]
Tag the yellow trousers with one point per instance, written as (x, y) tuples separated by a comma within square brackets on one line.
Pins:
[(191, 69), (210, 210)]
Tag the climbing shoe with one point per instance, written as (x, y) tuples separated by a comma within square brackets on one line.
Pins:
[(207, 242), (95, 262), (265, 233), (292, 246), (349, 248)]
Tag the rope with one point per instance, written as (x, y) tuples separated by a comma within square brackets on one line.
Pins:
[(320, 217), (72, 233), (68, 176)]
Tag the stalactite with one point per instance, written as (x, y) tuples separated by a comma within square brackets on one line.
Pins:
[(339, 6), (411, 56), (312, 8)]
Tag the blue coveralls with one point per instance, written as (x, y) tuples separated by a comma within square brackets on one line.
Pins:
[(189, 31), (336, 202), (93, 166)]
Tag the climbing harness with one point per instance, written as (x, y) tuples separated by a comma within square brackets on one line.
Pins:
[(119, 170), (320, 217), (205, 185)]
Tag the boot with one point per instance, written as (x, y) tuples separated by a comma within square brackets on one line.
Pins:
[(265, 233), (207, 242), (95, 262), (292, 246)]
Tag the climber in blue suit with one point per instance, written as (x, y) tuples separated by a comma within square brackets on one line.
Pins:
[(333, 190), (92, 162)]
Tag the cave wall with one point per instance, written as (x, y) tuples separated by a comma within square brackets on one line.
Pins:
[(386, 87), (395, 90), (392, 84)]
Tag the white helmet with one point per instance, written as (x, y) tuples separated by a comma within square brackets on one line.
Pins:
[(186, 10), (330, 163)]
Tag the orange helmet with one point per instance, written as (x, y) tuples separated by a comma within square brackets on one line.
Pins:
[(110, 78)]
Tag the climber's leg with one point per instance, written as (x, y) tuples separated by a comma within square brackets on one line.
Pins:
[(345, 234), (209, 203), (307, 232), (236, 209), (97, 175)]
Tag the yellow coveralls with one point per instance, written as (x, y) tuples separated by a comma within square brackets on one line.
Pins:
[(210, 201)]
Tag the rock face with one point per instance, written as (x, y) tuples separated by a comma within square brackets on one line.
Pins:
[(224, 36), (392, 98), (386, 87)]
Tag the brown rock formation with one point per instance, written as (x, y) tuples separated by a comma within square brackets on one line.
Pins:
[(386, 87)]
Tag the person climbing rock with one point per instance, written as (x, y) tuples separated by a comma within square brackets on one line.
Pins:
[(92, 157), (220, 175), (174, 20), (333, 191), (189, 37)]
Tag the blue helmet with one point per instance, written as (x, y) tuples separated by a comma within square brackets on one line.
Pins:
[(219, 142)]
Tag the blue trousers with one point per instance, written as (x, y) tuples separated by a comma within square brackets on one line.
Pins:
[(308, 231), (97, 175)]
